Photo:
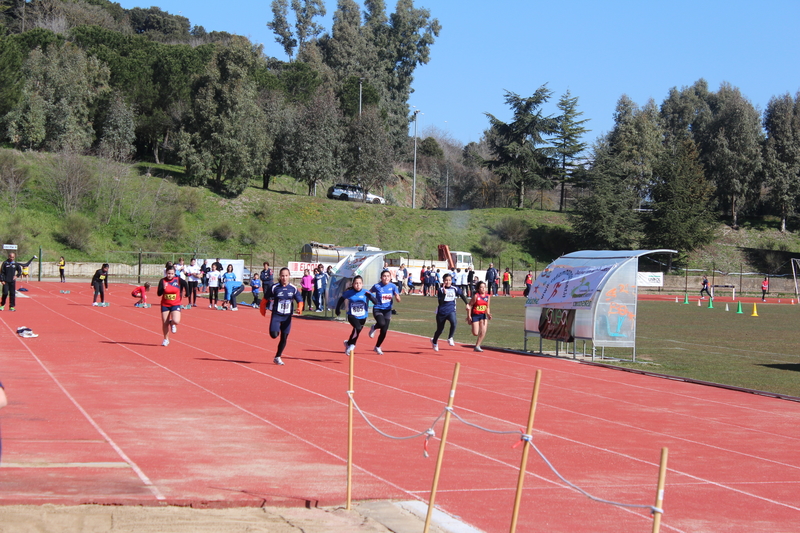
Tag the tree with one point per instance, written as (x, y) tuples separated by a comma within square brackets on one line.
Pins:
[(62, 86), (13, 178), (606, 218), (225, 140), (119, 130), (682, 216), (731, 149), (280, 25), (314, 150), (305, 28), (782, 152), (566, 141), (368, 152), (519, 151)]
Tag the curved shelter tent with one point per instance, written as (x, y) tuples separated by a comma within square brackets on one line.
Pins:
[(368, 265), (588, 295)]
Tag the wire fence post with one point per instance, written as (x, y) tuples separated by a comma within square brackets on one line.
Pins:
[(525, 450), (350, 432), (662, 474), (440, 456)]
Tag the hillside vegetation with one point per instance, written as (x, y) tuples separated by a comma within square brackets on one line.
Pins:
[(142, 207)]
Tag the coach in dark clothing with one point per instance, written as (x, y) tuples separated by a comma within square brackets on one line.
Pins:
[(9, 271), (492, 277)]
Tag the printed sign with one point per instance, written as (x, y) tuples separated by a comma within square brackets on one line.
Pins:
[(650, 279), (567, 287), (9, 247), (297, 268), (556, 324)]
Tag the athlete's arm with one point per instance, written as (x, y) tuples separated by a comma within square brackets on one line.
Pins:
[(339, 304), (160, 289)]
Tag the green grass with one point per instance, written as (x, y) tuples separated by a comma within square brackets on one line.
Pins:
[(681, 340)]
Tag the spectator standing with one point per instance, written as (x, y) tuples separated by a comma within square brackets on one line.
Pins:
[(507, 277), (193, 277), (213, 279), (470, 281), (528, 283), (492, 276), (180, 266), (320, 284), (228, 276), (205, 269), (255, 288), (62, 265), (307, 288), (266, 277), (10, 270), (764, 289)]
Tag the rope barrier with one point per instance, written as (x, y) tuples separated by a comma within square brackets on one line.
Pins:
[(430, 433)]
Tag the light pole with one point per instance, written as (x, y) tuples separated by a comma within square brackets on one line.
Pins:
[(414, 183)]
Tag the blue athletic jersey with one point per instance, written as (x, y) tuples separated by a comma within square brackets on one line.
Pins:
[(281, 298), (230, 285), (255, 284), (384, 294), (228, 276), (447, 299), (357, 303)]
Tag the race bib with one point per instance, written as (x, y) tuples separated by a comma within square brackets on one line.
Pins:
[(285, 307), (170, 296), (480, 308), (357, 309), (386, 298), (449, 295)]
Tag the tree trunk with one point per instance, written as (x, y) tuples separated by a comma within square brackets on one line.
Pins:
[(265, 179), (155, 152), (733, 212), (521, 198)]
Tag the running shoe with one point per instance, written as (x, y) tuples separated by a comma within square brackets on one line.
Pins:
[(378, 351), (451, 342), (278, 361), (11, 309), (346, 348), (478, 349), (234, 308), (434, 345), (2, 307), (210, 306), (174, 328), (165, 342), (372, 331), (95, 304)]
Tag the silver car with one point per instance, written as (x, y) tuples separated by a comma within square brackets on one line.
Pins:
[(343, 191)]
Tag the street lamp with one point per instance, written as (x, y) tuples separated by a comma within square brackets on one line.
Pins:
[(414, 183)]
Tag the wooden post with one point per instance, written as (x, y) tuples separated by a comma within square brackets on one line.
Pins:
[(350, 432), (662, 474), (440, 455), (525, 450)]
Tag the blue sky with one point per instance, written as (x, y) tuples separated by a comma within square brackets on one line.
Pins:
[(598, 50)]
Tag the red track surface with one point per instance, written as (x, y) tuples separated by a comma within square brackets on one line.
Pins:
[(100, 412)]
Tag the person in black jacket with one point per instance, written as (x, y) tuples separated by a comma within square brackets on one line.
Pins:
[(9, 271), (100, 279)]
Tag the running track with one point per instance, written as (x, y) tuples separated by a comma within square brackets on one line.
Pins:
[(100, 412)]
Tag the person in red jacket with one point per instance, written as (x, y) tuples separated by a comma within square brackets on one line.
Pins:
[(171, 288), (764, 289), (507, 282), (141, 293)]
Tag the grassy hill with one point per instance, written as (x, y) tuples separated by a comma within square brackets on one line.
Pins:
[(144, 206)]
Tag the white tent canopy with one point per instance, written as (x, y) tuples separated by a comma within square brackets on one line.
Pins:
[(590, 295)]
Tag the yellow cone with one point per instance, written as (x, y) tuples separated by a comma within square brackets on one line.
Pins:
[(755, 310)]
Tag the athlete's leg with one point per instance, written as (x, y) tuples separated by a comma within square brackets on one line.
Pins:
[(358, 324), (383, 320), (440, 321)]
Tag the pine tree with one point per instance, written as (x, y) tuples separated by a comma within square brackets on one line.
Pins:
[(782, 152), (567, 141)]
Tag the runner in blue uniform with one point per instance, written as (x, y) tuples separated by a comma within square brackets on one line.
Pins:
[(384, 292), (280, 297), (357, 310), (446, 312)]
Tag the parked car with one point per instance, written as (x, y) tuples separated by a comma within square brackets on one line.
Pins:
[(343, 191), (246, 276)]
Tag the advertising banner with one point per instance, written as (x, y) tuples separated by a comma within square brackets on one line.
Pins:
[(556, 324), (650, 279), (566, 287)]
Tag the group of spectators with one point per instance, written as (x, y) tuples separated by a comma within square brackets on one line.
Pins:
[(430, 278), (314, 285)]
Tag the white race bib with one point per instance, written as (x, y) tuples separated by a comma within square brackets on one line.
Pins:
[(449, 295), (357, 309), (285, 307)]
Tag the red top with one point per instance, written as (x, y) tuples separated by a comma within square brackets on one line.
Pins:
[(172, 292), (481, 304), (765, 285)]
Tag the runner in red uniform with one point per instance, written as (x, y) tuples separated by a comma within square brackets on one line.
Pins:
[(478, 314), (170, 289)]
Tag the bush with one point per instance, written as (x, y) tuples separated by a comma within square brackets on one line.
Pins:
[(192, 200), (510, 229), (76, 232), (223, 232)]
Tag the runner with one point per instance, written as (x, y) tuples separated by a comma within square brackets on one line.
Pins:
[(478, 314), (357, 310), (446, 312), (100, 279), (384, 292), (141, 293), (213, 276), (170, 289), (279, 297)]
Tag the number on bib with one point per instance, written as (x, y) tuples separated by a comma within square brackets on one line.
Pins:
[(285, 307)]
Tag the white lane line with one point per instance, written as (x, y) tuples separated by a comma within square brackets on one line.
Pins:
[(153, 489)]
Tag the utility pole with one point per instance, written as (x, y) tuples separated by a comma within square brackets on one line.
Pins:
[(414, 183)]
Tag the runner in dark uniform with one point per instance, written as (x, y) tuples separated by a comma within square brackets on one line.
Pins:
[(280, 297), (171, 288), (357, 310), (446, 311), (99, 280)]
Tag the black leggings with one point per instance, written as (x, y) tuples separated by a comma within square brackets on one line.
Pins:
[(281, 328), (358, 324), (441, 320), (192, 292), (98, 289), (234, 293), (382, 317), (213, 295)]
